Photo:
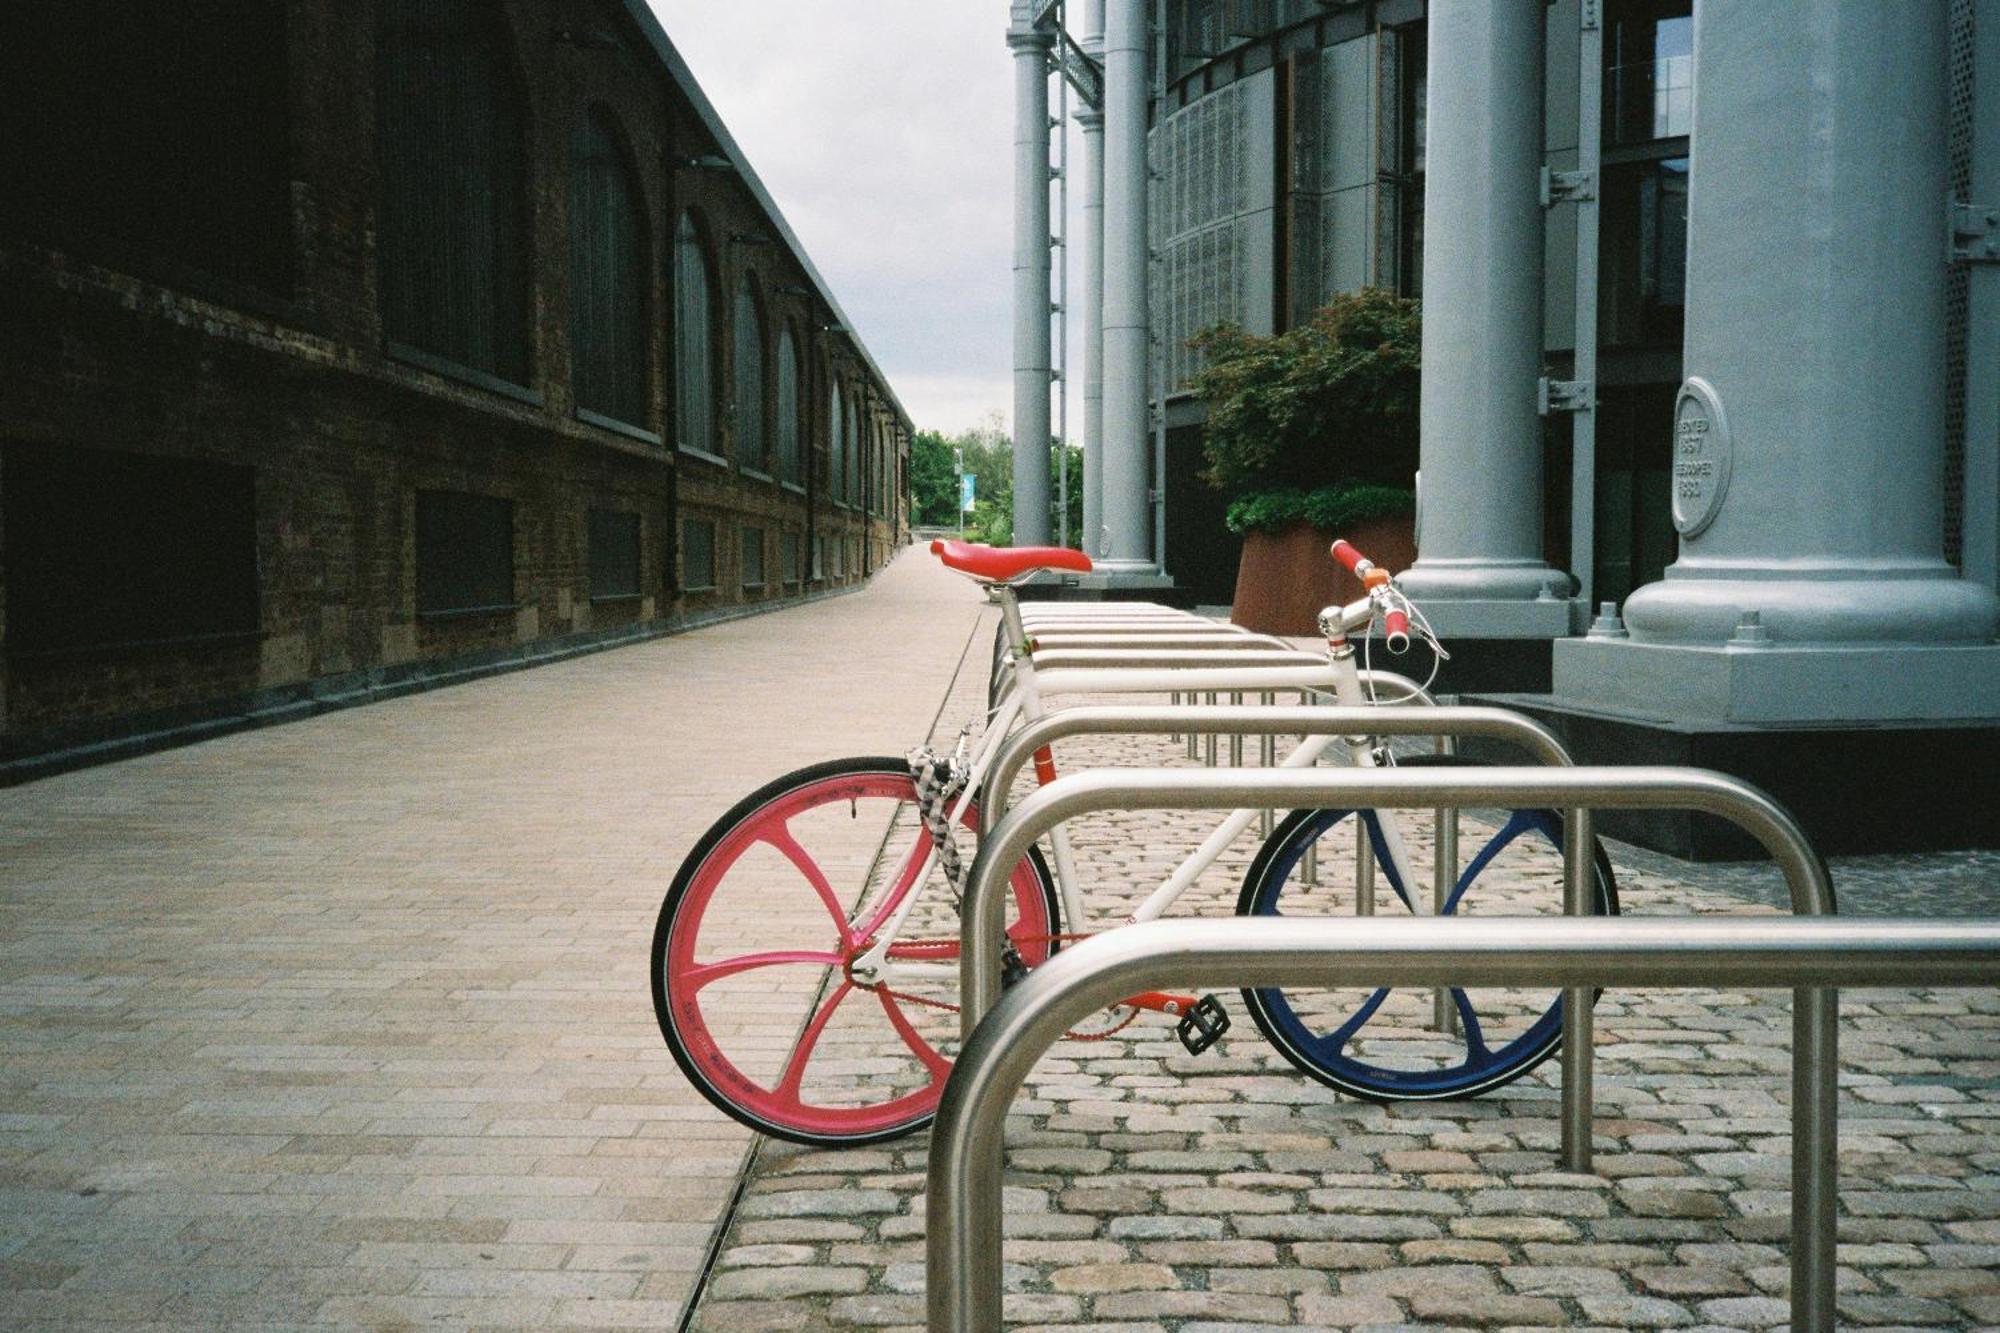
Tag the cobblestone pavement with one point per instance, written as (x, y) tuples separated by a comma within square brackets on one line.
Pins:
[(345, 1023), (1152, 1190)]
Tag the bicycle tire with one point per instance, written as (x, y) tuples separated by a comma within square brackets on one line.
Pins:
[(1325, 1033), (719, 993)]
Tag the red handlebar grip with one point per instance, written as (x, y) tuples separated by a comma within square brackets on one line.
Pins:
[(1396, 624), (1350, 557)]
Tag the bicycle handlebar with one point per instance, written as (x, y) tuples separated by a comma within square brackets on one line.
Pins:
[(1396, 630), (1359, 565), (1395, 620)]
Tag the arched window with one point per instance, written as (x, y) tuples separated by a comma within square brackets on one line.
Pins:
[(789, 468), (836, 431), (753, 449), (851, 473), (453, 229), (694, 341), (608, 275)]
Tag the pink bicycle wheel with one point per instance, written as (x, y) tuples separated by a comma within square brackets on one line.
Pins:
[(751, 956)]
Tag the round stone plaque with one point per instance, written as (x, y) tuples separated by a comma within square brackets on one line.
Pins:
[(1701, 456)]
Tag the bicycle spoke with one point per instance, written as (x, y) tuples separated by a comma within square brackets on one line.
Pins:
[(787, 1086), (937, 1064), (1476, 1051), (1333, 1043), (783, 840), (698, 975)]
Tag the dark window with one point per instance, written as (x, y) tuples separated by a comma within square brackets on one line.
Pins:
[(1413, 58), (1635, 540), (465, 553), (608, 276), (1643, 296), (106, 548), (697, 555), (753, 557), (694, 342), (851, 458), (788, 558), (453, 235), (790, 464), (1649, 71), (150, 134), (837, 445), (752, 449), (614, 555)]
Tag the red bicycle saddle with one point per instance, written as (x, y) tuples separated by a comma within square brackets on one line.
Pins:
[(1001, 563)]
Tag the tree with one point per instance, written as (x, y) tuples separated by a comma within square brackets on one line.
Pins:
[(987, 452), (1330, 407), (933, 481)]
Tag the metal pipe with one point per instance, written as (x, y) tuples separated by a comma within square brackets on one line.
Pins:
[(1599, 788), (1444, 878), (1364, 871), (1583, 421), (1145, 680), (1267, 755), (1578, 1068), (1126, 470), (1068, 641), (1092, 121), (1031, 47), (1155, 720), (963, 1235), (1068, 659)]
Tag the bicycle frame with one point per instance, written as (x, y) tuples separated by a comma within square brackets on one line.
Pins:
[(1023, 702)]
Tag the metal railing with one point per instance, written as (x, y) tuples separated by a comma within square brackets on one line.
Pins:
[(963, 1244), (1575, 791)]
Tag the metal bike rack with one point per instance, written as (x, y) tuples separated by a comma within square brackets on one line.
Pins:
[(1333, 720), (1575, 791), (1237, 659), (963, 1241)]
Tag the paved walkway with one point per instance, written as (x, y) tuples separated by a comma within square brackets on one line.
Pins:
[(346, 1022)]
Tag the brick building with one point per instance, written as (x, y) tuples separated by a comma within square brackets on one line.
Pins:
[(353, 346)]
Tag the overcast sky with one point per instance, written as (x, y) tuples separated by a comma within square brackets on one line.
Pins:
[(884, 130)]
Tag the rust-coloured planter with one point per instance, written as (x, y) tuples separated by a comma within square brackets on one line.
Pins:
[(1285, 577)]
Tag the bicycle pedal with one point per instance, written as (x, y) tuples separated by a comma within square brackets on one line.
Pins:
[(1012, 968), (1202, 1025)]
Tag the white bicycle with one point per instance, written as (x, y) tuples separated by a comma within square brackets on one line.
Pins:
[(805, 963)]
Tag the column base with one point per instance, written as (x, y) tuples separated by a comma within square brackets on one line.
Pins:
[(1444, 580), (1895, 787), (1777, 685), (1491, 618)]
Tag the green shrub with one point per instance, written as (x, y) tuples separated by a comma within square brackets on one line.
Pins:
[(1334, 509), (1334, 401)]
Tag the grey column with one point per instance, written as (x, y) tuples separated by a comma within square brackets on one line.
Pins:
[(1031, 282), (1127, 470), (1482, 346), (1091, 539), (1981, 532), (1810, 433)]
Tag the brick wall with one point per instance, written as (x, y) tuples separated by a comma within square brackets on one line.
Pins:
[(122, 353)]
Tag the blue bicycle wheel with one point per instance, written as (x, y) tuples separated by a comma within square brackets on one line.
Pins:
[(1385, 1045)]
